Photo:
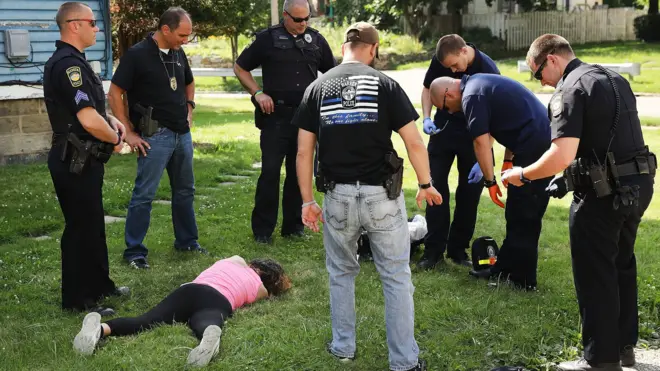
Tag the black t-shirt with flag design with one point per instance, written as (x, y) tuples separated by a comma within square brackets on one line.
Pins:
[(353, 110)]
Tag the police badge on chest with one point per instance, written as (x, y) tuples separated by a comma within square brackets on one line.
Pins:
[(348, 94)]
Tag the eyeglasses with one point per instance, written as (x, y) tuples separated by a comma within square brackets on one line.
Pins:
[(444, 100), (92, 22), (296, 19)]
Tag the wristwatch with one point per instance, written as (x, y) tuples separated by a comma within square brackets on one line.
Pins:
[(523, 179), (192, 103), (490, 183), (426, 185)]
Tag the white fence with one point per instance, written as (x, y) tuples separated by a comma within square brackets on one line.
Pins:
[(519, 30)]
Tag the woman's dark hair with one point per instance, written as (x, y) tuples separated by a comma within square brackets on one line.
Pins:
[(272, 275)]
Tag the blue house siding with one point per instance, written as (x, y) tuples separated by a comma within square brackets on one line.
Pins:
[(38, 17)]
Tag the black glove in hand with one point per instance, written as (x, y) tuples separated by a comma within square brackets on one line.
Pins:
[(558, 187)]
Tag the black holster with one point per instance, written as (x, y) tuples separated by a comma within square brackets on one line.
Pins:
[(394, 182), (323, 184), (83, 150), (259, 118), (147, 125)]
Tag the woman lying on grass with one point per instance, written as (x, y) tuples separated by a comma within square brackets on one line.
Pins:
[(204, 304)]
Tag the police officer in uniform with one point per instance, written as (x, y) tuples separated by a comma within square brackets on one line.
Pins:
[(353, 110), (499, 108), (450, 139), (84, 137), (290, 54), (597, 138)]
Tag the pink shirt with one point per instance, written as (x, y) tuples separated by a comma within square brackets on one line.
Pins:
[(238, 283)]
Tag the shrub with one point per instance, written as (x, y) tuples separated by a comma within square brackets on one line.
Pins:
[(647, 27), (483, 38)]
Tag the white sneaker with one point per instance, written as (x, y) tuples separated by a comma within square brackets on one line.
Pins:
[(207, 348), (89, 335)]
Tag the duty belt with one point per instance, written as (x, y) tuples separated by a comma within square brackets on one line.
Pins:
[(646, 164)]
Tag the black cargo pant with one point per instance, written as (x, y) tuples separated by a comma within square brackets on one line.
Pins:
[(525, 207), (85, 272), (443, 148), (278, 141), (605, 270)]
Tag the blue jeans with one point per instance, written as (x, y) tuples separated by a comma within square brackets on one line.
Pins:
[(347, 208), (173, 152)]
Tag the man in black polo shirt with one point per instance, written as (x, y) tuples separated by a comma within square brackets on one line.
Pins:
[(353, 110), (155, 73)]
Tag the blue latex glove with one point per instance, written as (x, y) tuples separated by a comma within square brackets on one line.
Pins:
[(475, 174), (429, 126)]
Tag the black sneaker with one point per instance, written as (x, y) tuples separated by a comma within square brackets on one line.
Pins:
[(464, 262), (139, 263), (263, 239), (421, 366), (103, 311), (340, 358), (427, 263), (298, 233), (628, 356), (197, 249)]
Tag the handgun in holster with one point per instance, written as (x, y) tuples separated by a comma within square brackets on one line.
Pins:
[(147, 125), (79, 155), (323, 185), (258, 115), (394, 182)]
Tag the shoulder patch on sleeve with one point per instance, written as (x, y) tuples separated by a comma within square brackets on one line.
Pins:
[(557, 104), (75, 76)]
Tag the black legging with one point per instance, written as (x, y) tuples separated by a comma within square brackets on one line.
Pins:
[(198, 305)]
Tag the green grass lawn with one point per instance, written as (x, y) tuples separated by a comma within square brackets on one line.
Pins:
[(646, 54), (461, 324)]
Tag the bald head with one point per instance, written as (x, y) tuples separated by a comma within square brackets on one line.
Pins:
[(289, 4), (70, 10), (446, 94)]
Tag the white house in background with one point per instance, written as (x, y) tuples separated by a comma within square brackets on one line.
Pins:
[(510, 6)]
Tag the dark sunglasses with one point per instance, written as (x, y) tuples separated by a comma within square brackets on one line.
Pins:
[(538, 74), (92, 22), (296, 19), (444, 101)]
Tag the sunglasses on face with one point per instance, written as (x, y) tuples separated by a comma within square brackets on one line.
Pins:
[(444, 100), (296, 19), (539, 72), (92, 22)]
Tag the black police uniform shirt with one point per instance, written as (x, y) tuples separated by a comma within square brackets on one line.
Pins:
[(288, 63), (482, 64), (353, 110), (507, 110), (144, 71), (583, 107), (70, 85)]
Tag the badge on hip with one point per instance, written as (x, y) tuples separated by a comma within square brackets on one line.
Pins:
[(557, 104), (74, 75)]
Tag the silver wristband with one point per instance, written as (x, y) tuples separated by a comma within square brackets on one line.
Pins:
[(309, 203)]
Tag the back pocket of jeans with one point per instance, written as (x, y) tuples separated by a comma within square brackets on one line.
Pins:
[(385, 214), (336, 212)]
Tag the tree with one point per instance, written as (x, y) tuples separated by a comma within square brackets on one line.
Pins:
[(132, 19), (231, 18)]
